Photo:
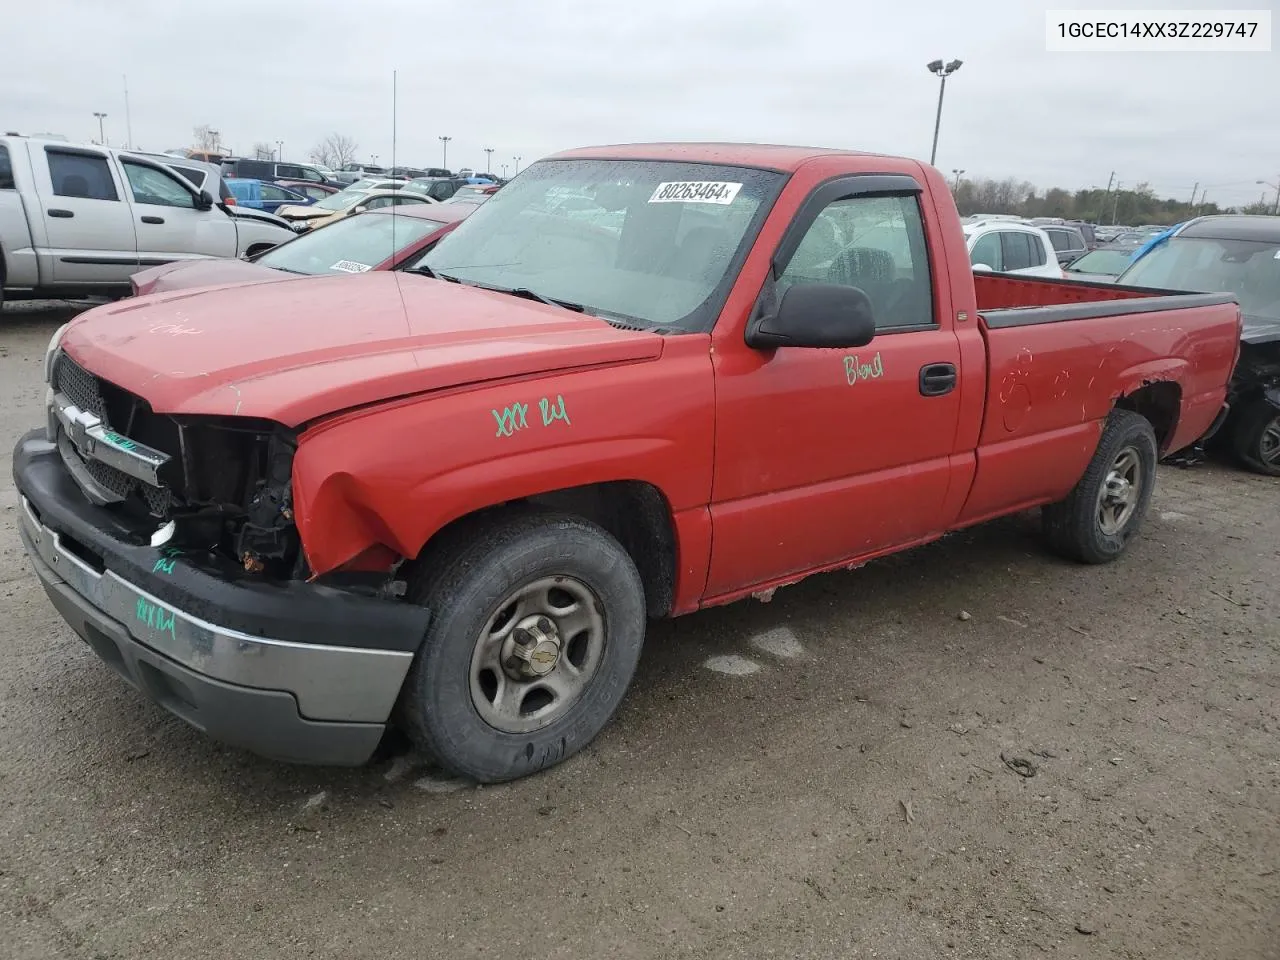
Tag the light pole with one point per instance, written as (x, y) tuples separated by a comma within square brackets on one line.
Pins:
[(214, 135), (1276, 187), (958, 174), (444, 152), (102, 136), (942, 71), (488, 158), (504, 171), (517, 166), (280, 151)]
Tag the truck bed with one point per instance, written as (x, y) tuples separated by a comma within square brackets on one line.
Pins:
[(1003, 291), (1051, 388)]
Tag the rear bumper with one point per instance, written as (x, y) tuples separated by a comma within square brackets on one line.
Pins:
[(297, 672)]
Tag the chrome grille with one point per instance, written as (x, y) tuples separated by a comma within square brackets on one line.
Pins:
[(85, 390), (117, 481), (79, 386)]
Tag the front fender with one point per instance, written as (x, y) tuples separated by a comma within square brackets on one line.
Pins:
[(394, 475)]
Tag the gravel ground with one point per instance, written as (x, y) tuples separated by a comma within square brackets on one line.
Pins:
[(830, 775)]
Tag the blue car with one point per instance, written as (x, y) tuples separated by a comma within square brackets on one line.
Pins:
[(260, 195)]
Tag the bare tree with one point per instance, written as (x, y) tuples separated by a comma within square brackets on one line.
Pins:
[(206, 137), (334, 151), (263, 151)]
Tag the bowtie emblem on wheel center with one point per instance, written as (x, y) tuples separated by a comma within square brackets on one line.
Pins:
[(535, 648)]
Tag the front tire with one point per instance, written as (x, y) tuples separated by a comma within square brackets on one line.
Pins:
[(537, 624), (1098, 518), (1256, 438)]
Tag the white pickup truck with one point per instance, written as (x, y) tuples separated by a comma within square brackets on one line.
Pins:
[(80, 220)]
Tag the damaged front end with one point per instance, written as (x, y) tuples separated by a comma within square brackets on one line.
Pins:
[(218, 483), (1257, 375)]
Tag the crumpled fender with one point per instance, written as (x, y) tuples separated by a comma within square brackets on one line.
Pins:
[(391, 476)]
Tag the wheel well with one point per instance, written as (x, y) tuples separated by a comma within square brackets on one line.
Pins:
[(1160, 403), (634, 512), (638, 515)]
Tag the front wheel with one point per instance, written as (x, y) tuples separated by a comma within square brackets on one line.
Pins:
[(537, 621), (1103, 511), (1256, 438)]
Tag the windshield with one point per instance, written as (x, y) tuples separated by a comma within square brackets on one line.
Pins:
[(653, 242), (1248, 268), (350, 245), (422, 187), (1110, 262), (342, 200)]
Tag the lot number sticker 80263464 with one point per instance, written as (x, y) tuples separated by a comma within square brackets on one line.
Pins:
[(695, 191)]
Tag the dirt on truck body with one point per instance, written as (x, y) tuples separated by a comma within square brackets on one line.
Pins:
[(451, 497)]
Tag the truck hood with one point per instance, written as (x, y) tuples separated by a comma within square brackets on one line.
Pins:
[(292, 352)]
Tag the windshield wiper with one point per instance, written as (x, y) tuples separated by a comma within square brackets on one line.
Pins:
[(528, 294), (425, 271)]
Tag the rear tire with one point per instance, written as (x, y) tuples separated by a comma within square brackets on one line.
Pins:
[(1103, 511), (537, 621), (1256, 438)]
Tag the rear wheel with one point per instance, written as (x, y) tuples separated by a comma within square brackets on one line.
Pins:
[(1098, 518), (536, 628), (1256, 438)]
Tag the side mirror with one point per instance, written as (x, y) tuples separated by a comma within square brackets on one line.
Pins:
[(360, 209), (204, 200), (982, 268), (816, 315)]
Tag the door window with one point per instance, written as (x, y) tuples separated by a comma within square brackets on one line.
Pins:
[(1016, 248), (987, 250), (152, 186), (876, 244), (1039, 255), (287, 171), (1059, 239), (271, 192), (81, 175), (6, 169)]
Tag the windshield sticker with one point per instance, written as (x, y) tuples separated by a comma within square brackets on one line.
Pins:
[(515, 417), (350, 266), (855, 369), (695, 191)]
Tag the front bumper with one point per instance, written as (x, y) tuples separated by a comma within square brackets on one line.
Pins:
[(293, 671)]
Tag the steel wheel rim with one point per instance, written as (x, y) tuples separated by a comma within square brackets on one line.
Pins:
[(1269, 443), (1118, 498), (505, 690)]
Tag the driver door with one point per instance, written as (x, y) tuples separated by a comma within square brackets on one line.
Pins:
[(829, 455), (169, 225)]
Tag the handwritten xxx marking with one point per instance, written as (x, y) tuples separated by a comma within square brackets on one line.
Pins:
[(511, 419)]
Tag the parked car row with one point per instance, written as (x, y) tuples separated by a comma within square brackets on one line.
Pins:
[(79, 220)]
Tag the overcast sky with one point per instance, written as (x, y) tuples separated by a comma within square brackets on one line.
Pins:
[(529, 78)]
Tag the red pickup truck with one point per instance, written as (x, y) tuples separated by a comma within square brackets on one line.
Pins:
[(637, 382)]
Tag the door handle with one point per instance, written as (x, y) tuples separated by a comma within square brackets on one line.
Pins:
[(937, 379), (66, 214), (153, 219)]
